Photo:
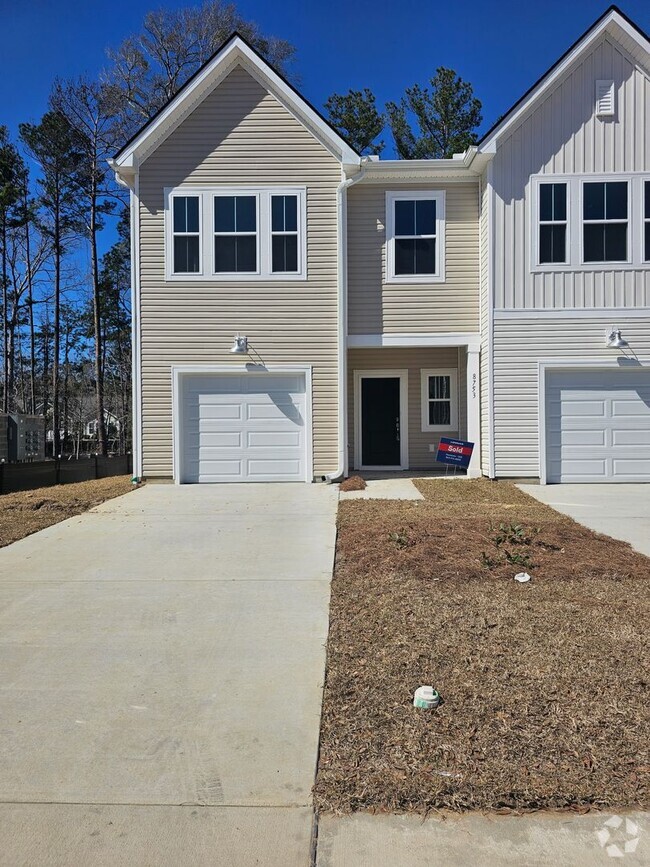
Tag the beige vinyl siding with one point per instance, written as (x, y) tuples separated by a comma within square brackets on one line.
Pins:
[(563, 135), (413, 360), (376, 307), (240, 134), (519, 346)]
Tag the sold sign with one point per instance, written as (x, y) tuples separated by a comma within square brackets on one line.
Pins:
[(456, 452)]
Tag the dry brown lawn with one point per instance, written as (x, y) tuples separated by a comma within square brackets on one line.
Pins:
[(545, 684), (26, 512)]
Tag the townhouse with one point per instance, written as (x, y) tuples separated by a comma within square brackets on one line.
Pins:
[(300, 311)]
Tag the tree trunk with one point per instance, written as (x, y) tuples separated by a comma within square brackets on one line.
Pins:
[(46, 372), (56, 429), (102, 445), (5, 341), (30, 304)]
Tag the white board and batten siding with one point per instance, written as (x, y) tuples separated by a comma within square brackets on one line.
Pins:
[(239, 135), (564, 136), (557, 318)]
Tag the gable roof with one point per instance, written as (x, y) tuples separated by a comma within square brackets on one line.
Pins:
[(612, 21), (235, 51)]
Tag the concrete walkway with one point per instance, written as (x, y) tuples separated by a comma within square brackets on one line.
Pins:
[(534, 840), (160, 688), (620, 511)]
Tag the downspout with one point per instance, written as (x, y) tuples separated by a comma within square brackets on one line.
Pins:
[(342, 274)]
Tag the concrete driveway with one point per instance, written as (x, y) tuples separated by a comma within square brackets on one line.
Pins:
[(620, 511), (163, 660)]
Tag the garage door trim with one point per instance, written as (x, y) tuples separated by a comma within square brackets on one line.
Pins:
[(555, 366), (180, 372)]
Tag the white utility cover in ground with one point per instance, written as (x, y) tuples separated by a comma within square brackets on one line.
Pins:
[(598, 425), (248, 427)]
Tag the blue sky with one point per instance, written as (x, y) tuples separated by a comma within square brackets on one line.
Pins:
[(501, 48)]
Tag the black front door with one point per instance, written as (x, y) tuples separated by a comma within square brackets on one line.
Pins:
[(380, 422)]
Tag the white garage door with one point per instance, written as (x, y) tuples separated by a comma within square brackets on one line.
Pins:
[(598, 426), (243, 428)]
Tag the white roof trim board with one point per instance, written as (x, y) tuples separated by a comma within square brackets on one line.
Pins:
[(236, 52), (612, 23)]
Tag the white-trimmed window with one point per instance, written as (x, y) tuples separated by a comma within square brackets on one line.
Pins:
[(590, 222), (439, 393), (247, 233), (415, 237), (235, 234), (552, 245), (186, 234), (605, 221)]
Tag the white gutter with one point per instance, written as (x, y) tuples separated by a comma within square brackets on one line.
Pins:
[(342, 274), (136, 361)]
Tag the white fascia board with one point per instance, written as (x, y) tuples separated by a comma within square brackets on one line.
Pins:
[(445, 338), (235, 53), (608, 24)]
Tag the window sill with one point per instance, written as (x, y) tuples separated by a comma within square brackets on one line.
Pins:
[(425, 279), (558, 268), (235, 278)]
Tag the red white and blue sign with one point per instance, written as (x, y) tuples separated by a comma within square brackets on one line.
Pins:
[(455, 452)]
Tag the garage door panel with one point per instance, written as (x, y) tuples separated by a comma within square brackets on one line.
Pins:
[(255, 433), (640, 437), (577, 437), (598, 426), (219, 412), (279, 439)]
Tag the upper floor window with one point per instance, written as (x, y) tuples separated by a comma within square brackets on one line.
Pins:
[(590, 222), (415, 237), (604, 216), (222, 233), (646, 221), (186, 223), (552, 223), (235, 234)]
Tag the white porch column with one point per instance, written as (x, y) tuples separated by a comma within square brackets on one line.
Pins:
[(474, 410)]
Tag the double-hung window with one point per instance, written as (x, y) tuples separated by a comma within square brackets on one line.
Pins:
[(439, 390), (284, 234), (225, 233), (605, 221), (415, 237), (186, 234), (235, 234), (552, 223)]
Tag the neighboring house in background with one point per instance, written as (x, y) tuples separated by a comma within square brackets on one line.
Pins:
[(21, 437), (376, 305), (112, 422)]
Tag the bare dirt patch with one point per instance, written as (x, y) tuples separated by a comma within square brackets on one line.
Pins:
[(26, 512), (353, 483), (545, 684)]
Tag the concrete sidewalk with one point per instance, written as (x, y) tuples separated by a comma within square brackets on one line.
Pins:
[(163, 660), (534, 840), (620, 511)]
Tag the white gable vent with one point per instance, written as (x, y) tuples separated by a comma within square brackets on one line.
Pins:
[(604, 97)]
